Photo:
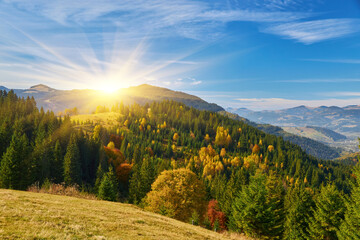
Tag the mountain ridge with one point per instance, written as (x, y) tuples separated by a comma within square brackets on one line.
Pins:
[(88, 99)]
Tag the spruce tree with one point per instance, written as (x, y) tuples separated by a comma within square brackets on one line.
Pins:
[(108, 188), (275, 200), (298, 205), (146, 176), (328, 213), (141, 180), (251, 212), (350, 228), (13, 169), (72, 168), (57, 166)]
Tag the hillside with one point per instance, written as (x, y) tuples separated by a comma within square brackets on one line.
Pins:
[(310, 146), (28, 215), (87, 100), (316, 133), (344, 120)]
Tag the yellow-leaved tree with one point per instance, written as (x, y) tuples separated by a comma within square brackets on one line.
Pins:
[(222, 137), (177, 194)]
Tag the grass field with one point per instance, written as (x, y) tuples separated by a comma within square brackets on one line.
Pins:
[(106, 120), (28, 215)]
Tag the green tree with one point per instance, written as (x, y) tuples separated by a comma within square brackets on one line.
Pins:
[(328, 213), (298, 205), (13, 169), (108, 186), (57, 166), (141, 180), (257, 210), (72, 167), (349, 229)]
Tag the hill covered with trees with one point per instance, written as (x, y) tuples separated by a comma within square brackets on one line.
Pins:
[(158, 155)]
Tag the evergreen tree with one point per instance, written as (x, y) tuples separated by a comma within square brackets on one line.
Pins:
[(72, 168), (328, 214), (13, 165), (57, 166), (134, 185), (141, 180), (275, 200), (252, 212), (147, 176), (108, 188), (350, 228), (298, 205)]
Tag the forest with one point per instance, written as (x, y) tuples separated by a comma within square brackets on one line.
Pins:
[(196, 166)]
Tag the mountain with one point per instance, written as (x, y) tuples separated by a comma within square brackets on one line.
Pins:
[(87, 100), (2, 88), (310, 146), (344, 120)]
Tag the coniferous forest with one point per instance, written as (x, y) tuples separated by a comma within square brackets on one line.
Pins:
[(196, 166)]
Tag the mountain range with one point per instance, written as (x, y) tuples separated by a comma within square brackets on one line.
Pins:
[(87, 100), (344, 120)]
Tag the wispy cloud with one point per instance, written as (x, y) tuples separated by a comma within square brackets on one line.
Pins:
[(282, 103), (309, 32), (317, 80), (341, 94), (347, 61), (190, 19)]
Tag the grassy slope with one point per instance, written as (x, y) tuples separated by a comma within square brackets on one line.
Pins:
[(106, 120), (28, 215)]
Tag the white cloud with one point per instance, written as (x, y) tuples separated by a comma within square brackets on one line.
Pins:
[(190, 19), (309, 32), (349, 61), (196, 83), (342, 94), (315, 80)]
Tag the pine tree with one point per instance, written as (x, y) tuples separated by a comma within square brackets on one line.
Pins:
[(328, 214), (141, 180), (251, 212), (108, 188), (57, 166), (72, 168), (298, 205), (134, 185), (13, 169), (275, 199), (146, 176), (349, 229)]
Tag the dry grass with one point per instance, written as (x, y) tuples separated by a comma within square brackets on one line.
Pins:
[(28, 215)]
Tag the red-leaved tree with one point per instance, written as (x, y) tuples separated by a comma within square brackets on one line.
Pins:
[(214, 213)]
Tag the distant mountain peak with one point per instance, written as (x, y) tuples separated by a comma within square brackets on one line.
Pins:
[(42, 88)]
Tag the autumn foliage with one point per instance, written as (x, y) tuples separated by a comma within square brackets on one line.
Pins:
[(177, 193), (214, 213)]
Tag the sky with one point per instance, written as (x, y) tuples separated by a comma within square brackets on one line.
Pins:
[(256, 54)]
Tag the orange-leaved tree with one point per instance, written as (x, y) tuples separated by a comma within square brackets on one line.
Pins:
[(177, 193), (215, 214)]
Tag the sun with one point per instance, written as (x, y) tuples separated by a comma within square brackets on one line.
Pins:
[(109, 89)]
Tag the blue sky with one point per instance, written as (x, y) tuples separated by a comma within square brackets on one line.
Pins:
[(268, 54)]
